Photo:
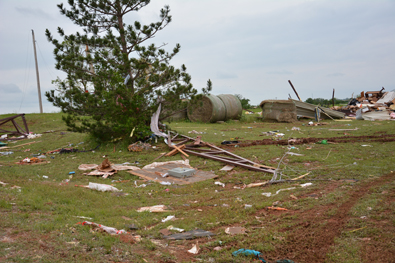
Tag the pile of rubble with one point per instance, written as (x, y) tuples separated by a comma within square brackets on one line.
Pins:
[(371, 105)]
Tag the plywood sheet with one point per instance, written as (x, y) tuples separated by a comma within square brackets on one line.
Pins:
[(149, 174)]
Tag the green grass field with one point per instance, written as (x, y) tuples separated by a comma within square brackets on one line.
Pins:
[(346, 214)]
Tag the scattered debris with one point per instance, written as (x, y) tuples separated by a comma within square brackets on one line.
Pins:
[(257, 184), (154, 209), (33, 160), (276, 208), (19, 132), (213, 152), (109, 230), (227, 168), (168, 218), (132, 227), (155, 171), (105, 169), (235, 230), (175, 229), (33, 135), (195, 132), (278, 191), (249, 253), (229, 142), (139, 146), (190, 235), (195, 249), (219, 183), (100, 187), (6, 153), (84, 217), (165, 232)]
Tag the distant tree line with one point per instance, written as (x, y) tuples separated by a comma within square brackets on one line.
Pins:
[(245, 103), (327, 102)]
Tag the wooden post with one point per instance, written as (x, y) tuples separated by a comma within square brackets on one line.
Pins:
[(37, 75), (297, 95), (333, 98)]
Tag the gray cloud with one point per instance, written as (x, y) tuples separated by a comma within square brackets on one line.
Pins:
[(280, 72), (250, 50), (226, 75), (38, 13), (335, 75), (9, 89)]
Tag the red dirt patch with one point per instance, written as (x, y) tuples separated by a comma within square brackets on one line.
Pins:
[(299, 141), (312, 236)]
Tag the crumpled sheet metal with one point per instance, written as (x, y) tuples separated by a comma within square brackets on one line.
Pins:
[(154, 123)]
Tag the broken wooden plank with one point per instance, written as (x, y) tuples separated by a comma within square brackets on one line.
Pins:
[(180, 150), (257, 184), (198, 139), (227, 168), (218, 158), (182, 142), (299, 177), (174, 151)]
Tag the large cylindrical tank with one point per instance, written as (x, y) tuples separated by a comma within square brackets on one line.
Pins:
[(213, 108), (209, 109), (233, 108)]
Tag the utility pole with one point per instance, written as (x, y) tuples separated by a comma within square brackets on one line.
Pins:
[(38, 76)]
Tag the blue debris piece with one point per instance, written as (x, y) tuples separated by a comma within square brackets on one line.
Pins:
[(71, 172), (248, 252), (257, 254)]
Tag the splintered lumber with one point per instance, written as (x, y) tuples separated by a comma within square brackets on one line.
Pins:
[(231, 158), (257, 184), (299, 177), (180, 150), (198, 139), (174, 151), (277, 208)]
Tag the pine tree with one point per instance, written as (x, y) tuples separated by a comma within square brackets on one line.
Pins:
[(115, 80)]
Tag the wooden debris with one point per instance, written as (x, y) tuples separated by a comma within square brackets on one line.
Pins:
[(198, 139), (300, 177), (173, 152), (257, 184), (180, 150), (277, 208)]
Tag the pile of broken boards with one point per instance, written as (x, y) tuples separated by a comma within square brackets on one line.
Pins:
[(166, 173), (195, 146), (290, 110), (371, 105), (179, 172)]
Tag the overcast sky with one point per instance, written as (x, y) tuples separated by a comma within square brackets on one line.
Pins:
[(250, 47)]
